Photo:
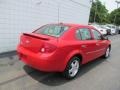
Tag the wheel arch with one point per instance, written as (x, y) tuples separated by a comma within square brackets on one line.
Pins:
[(71, 55), (79, 56), (109, 46)]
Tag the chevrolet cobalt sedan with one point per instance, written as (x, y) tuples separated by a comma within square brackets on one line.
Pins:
[(62, 48)]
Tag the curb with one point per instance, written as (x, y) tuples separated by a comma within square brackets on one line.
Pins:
[(7, 54)]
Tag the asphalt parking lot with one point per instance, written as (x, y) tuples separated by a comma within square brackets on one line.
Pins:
[(101, 74)]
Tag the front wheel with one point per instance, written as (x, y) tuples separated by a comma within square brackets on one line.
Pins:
[(72, 68), (107, 53)]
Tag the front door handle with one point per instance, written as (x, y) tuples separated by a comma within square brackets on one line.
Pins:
[(97, 44)]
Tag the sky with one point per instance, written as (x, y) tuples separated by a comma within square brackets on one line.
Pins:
[(110, 4)]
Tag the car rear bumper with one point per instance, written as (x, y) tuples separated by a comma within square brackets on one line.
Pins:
[(42, 62)]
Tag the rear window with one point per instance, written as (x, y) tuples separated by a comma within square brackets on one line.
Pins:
[(52, 30)]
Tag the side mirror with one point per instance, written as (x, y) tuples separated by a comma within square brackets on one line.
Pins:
[(104, 38)]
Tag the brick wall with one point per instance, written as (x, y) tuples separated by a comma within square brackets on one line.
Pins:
[(17, 16)]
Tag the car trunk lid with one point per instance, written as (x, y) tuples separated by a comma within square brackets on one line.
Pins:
[(34, 42)]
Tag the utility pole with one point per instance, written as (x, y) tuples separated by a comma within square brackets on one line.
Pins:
[(118, 2), (95, 13)]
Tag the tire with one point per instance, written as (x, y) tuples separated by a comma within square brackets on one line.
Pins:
[(119, 32), (107, 53), (72, 68)]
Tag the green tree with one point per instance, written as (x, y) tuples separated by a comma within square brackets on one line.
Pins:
[(98, 13), (114, 17)]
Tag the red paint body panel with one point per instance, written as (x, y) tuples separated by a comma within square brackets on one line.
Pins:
[(60, 49)]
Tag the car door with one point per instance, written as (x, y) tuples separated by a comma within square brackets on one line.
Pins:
[(99, 43), (86, 44)]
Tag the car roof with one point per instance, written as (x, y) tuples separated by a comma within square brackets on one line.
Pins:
[(72, 25)]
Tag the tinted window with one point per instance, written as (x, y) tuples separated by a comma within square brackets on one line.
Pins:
[(85, 34), (96, 35), (52, 30)]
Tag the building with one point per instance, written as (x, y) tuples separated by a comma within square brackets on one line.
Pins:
[(17, 16)]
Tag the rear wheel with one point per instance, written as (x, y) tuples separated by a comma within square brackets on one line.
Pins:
[(72, 68)]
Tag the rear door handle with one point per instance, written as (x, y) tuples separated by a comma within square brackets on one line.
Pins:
[(84, 46)]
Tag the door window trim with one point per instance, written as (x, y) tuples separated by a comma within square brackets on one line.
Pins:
[(93, 34)]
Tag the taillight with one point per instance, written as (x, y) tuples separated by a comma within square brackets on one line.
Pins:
[(47, 48), (21, 39)]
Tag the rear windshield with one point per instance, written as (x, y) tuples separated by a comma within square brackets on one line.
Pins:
[(52, 30)]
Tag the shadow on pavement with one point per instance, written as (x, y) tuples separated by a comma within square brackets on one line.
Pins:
[(56, 79)]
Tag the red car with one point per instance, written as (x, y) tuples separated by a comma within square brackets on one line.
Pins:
[(62, 47)]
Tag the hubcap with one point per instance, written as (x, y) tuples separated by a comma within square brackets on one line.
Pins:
[(74, 68), (107, 52)]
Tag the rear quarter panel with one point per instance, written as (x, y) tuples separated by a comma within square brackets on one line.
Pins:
[(66, 51)]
